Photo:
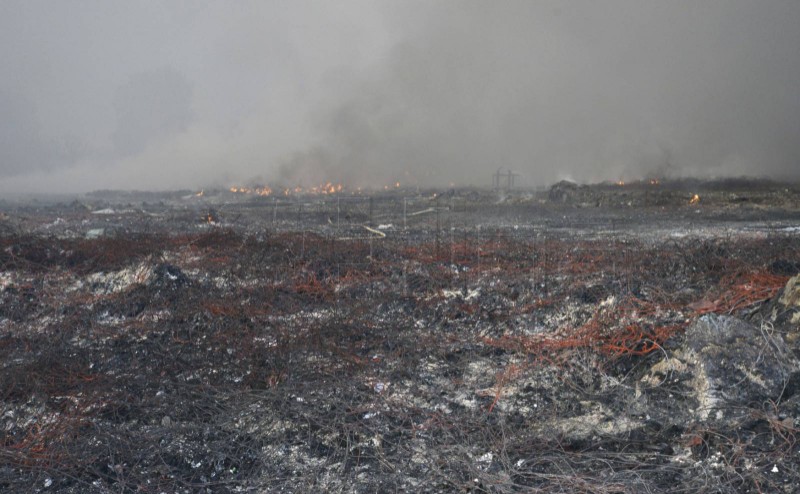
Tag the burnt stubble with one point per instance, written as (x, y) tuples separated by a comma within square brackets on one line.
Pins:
[(605, 338)]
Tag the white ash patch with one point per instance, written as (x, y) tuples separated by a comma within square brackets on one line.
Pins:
[(461, 294), (752, 376), (705, 393), (6, 280), (609, 302), (466, 399), (107, 319), (116, 281), (220, 282), (598, 422), (661, 371), (155, 316), (318, 315)]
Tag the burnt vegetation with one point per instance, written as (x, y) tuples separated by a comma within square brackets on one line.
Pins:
[(494, 359)]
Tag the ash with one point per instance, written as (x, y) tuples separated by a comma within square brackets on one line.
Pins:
[(609, 338)]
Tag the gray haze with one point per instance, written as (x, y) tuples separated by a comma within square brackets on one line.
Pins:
[(156, 95)]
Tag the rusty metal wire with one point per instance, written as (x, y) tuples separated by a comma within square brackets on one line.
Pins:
[(297, 361)]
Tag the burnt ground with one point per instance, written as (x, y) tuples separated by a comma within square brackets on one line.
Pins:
[(605, 339)]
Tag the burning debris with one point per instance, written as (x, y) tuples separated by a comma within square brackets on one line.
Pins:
[(324, 189), (259, 191), (327, 188), (210, 217)]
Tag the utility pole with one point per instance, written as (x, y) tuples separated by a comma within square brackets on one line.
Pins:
[(438, 226), (510, 176), (370, 210), (496, 179), (405, 203)]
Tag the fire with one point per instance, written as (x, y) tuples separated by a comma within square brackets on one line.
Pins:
[(259, 191), (199, 194), (695, 199), (654, 181), (326, 188), (620, 182)]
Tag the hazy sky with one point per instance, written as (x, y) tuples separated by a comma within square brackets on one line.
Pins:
[(120, 94)]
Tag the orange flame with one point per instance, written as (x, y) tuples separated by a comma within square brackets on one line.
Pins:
[(695, 199), (260, 191), (326, 188)]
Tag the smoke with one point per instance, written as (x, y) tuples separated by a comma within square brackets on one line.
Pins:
[(25, 146), (174, 95), (151, 106), (554, 90)]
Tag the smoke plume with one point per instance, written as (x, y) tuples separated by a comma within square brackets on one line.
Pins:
[(178, 95)]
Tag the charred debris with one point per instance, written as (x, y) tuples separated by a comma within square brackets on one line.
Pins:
[(608, 338)]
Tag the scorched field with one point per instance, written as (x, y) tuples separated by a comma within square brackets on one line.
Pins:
[(581, 340)]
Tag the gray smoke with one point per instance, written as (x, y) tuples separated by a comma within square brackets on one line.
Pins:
[(166, 95), (579, 90), (22, 145), (151, 106)]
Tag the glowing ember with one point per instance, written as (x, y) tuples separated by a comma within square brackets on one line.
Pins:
[(199, 194), (654, 181), (620, 183), (695, 199)]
